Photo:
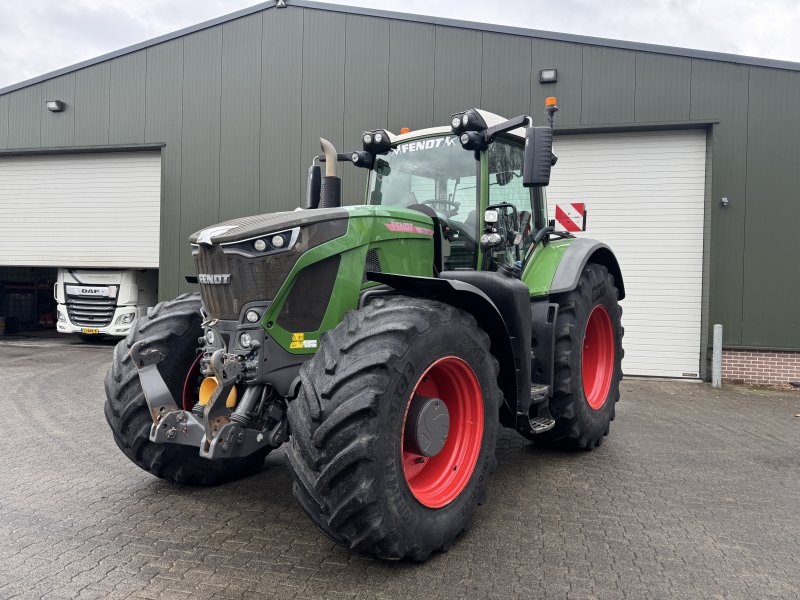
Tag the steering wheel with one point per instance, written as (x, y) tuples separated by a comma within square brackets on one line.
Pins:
[(452, 205)]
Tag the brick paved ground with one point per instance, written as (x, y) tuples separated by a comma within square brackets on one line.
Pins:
[(696, 494)]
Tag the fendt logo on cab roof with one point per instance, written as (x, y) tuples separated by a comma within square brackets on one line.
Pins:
[(424, 144), (210, 279)]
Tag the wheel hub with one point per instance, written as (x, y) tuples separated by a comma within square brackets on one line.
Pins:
[(427, 426), (444, 417)]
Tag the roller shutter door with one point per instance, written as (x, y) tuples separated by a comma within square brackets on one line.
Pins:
[(644, 194), (80, 210)]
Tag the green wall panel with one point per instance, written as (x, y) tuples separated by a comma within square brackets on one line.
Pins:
[(202, 72), (240, 107), (411, 72), (127, 99), (609, 82), (58, 128), (457, 71), (568, 59), (24, 117), (164, 110), (92, 105), (281, 87), (366, 93), (241, 113), (4, 121), (506, 74), (663, 87), (323, 87), (771, 261), (719, 92)]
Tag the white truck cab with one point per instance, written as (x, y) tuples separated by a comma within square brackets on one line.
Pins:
[(103, 302)]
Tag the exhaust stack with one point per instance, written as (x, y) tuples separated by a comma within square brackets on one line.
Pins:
[(330, 195)]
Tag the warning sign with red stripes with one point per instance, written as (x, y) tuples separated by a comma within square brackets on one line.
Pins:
[(571, 216)]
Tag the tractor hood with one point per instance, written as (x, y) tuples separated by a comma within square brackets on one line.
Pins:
[(248, 260), (245, 228)]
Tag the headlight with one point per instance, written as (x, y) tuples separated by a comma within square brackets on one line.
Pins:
[(278, 241), (211, 337), (245, 340), (260, 245), (252, 316), (61, 317), (125, 319)]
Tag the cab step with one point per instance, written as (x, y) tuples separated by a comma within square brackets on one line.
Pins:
[(539, 393), (542, 424), (543, 421)]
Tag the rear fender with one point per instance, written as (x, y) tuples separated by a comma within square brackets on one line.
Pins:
[(471, 299), (580, 252)]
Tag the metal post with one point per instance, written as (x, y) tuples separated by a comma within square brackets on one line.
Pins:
[(716, 358)]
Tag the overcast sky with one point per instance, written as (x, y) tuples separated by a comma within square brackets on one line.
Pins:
[(38, 36)]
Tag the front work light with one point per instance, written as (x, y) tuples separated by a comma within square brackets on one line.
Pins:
[(473, 140), (362, 159), (245, 340)]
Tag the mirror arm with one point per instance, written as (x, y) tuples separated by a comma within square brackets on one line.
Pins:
[(340, 157), (515, 123)]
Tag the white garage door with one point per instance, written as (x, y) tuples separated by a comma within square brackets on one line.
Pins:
[(80, 210), (644, 194)]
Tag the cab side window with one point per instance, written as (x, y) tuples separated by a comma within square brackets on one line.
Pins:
[(505, 185)]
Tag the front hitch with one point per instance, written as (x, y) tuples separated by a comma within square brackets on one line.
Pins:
[(214, 435)]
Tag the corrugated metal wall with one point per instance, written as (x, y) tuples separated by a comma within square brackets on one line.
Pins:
[(240, 107)]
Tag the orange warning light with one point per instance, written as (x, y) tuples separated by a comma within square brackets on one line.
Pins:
[(550, 101), (405, 130)]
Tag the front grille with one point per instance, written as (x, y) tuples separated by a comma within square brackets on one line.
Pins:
[(258, 278), (90, 312)]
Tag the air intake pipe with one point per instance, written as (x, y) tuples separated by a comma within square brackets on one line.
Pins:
[(330, 193)]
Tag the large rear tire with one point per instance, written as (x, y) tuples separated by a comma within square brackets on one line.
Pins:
[(173, 328), (355, 472), (588, 357)]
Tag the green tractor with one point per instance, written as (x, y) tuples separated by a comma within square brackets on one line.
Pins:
[(383, 344)]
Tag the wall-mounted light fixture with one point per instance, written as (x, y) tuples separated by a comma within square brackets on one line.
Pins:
[(55, 105), (548, 75)]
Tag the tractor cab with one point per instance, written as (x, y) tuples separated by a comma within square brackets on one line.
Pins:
[(460, 175), (432, 172)]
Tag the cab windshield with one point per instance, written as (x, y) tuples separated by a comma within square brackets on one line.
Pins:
[(435, 172)]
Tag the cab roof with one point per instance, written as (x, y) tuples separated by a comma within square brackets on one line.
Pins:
[(490, 118)]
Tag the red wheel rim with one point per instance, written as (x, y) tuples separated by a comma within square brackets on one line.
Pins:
[(191, 385), (598, 357), (438, 480)]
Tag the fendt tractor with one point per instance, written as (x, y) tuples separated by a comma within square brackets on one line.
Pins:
[(384, 343)]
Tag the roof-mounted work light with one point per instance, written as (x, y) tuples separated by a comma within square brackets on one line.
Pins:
[(377, 141), (469, 120)]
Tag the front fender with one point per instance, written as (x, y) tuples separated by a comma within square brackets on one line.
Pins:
[(580, 252)]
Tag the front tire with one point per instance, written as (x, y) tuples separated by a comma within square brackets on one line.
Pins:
[(588, 358), (173, 328), (354, 472)]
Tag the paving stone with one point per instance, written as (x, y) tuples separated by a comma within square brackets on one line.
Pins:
[(693, 495)]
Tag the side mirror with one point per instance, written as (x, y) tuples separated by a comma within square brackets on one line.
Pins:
[(313, 186), (538, 156)]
